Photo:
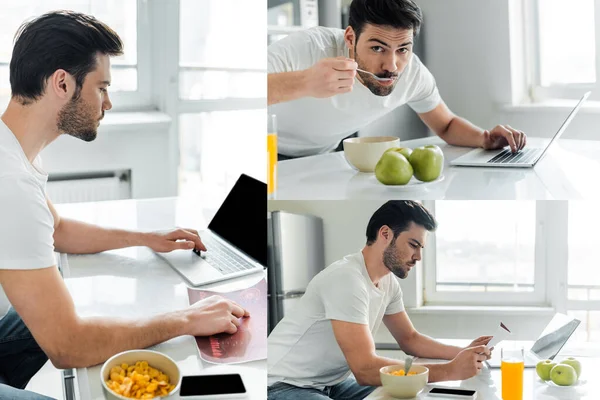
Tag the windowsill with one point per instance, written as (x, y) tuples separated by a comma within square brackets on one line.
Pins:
[(135, 121), (477, 310), (552, 106)]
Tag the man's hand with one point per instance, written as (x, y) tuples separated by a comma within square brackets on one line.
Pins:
[(331, 76), (213, 315), (482, 341), (468, 362), (164, 242), (503, 135)]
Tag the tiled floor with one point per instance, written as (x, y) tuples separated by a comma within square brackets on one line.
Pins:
[(47, 382)]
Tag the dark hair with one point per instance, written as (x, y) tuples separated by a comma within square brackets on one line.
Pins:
[(403, 14), (398, 214), (58, 40)]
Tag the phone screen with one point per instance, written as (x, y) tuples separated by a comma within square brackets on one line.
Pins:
[(456, 392), (205, 385)]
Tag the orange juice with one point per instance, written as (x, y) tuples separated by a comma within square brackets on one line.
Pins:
[(271, 163), (512, 379)]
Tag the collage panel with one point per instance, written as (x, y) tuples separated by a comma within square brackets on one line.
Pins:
[(469, 111), (132, 199), (380, 299)]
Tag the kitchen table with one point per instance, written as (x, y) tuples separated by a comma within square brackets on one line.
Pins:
[(488, 384), (135, 282), (570, 170)]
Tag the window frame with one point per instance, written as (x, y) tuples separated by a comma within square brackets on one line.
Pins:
[(569, 91), (540, 295), (139, 99)]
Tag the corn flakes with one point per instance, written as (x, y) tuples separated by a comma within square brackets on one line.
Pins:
[(139, 381)]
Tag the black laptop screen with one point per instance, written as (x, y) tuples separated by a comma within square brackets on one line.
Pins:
[(242, 218)]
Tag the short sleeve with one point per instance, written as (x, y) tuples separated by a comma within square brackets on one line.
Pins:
[(345, 297), (396, 304), (424, 96), (27, 228), (294, 52)]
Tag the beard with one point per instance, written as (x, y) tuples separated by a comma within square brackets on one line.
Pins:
[(393, 262), (371, 83), (78, 119)]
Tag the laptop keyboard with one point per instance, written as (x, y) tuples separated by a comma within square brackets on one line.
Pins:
[(221, 258), (526, 155)]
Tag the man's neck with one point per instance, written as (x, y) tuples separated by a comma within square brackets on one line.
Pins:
[(374, 263), (33, 126)]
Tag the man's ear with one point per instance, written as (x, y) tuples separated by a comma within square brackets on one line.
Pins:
[(349, 37), (61, 83), (386, 233)]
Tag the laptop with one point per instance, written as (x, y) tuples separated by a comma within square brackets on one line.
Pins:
[(528, 157), (235, 238), (547, 346)]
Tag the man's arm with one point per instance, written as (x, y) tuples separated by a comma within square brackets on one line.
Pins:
[(460, 132), (414, 343), (76, 237), (357, 344), (41, 299), (328, 77)]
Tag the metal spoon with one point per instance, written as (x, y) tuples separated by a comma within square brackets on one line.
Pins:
[(407, 364), (375, 76)]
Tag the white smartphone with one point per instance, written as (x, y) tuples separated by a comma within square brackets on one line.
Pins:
[(209, 387), (452, 393)]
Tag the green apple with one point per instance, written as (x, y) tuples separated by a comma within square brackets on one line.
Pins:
[(405, 151), (563, 375), (393, 169), (543, 369), (427, 162), (573, 362)]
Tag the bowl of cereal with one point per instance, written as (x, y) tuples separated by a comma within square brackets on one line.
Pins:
[(140, 374), (402, 386)]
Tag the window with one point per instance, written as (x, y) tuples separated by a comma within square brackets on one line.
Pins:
[(562, 52), (222, 92), (583, 278), (129, 87), (484, 252)]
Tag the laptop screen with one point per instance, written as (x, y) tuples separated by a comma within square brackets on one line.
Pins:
[(242, 219), (554, 337)]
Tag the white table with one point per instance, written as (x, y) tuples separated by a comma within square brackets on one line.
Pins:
[(570, 170), (489, 386), (134, 282)]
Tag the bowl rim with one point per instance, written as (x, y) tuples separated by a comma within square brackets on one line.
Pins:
[(369, 139), (104, 365), (381, 370)]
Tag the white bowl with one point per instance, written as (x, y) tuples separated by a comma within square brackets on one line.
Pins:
[(404, 387), (363, 153), (155, 359)]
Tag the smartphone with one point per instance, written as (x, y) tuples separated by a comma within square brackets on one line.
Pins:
[(449, 393), (204, 387)]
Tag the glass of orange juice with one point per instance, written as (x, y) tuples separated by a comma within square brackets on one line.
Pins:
[(271, 155), (512, 367)]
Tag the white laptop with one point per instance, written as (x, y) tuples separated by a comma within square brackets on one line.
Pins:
[(235, 238), (547, 346), (528, 157)]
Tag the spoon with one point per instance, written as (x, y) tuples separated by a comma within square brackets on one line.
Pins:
[(407, 364), (375, 76)]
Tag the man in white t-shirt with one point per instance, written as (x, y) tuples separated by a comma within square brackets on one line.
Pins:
[(329, 335), (59, 74), (312, 86)]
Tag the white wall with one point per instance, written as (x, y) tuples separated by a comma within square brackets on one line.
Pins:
[(344, 224), (468, 50), (139, 147)]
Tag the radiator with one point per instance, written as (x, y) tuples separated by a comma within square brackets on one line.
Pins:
[(75, 188)]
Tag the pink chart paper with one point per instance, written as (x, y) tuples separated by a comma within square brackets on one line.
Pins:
[(249, 343)]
